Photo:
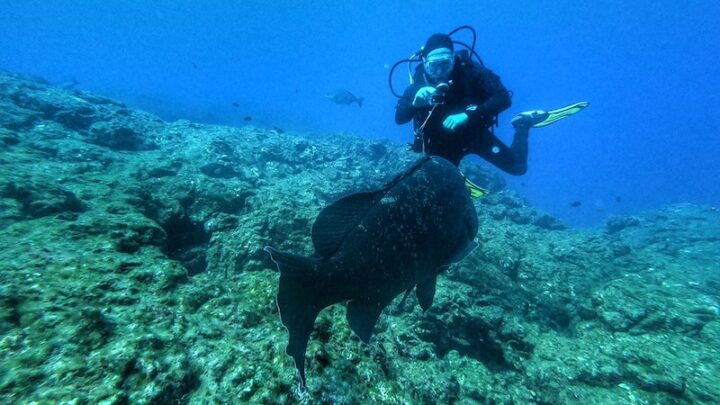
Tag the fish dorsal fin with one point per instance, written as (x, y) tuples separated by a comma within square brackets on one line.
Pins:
[(425, 293), (362, 315), (339, 218)]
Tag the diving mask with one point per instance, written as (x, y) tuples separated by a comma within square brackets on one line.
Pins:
[(440, 65)]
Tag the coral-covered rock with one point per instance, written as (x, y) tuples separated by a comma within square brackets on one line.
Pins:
[(140, 277), (618, 223), (548, 222), (119, 137), (40, 201)]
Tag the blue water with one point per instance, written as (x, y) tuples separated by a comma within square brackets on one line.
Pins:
[(650, 70)]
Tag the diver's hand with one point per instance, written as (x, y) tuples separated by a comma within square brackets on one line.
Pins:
[(455, 121), (423, 97)]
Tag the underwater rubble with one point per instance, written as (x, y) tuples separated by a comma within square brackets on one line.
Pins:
[(131, 271)]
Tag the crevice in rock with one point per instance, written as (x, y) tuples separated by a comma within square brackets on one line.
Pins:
[(11, 313), (186, 242), (468, 340), (481, 348)]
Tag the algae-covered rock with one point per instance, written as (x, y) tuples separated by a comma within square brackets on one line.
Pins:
[(618, 223), (132, 271), (14, 117), (219, 170), (8, 137), (619, 309), (548, 222), (42, 201), (118, 136)]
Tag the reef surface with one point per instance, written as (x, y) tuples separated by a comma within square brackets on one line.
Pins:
[(131, 271)]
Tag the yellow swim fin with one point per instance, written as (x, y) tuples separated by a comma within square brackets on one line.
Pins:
[(560, 113), (475, 190)]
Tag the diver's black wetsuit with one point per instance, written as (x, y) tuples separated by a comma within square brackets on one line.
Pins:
[(472, 85)]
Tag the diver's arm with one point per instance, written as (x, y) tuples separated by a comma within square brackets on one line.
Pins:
[(404, 110), (487, 82)]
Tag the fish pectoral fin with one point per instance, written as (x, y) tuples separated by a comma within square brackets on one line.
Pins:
[(425, 293), (463, 251), (362, 315)]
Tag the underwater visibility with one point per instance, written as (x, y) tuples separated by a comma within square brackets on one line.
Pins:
[(222, 203)]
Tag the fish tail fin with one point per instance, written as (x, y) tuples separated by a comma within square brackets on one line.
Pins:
[(360, 101), (298, 301)]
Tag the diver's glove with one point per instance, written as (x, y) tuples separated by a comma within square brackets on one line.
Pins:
[(455, 121), (423, 97)]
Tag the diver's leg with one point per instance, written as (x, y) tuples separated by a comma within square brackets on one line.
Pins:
[(513, 159)]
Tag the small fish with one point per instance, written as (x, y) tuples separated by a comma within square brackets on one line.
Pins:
[(235, 104), (618, 199), (194, 65), (247, 118), (575, 204), (344, 97), (68, 84), (278, 130)]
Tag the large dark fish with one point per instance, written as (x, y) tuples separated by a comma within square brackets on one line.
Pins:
[(372, 246), (344, 97)]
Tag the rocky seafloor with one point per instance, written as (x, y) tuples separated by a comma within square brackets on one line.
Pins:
[(131, 272)]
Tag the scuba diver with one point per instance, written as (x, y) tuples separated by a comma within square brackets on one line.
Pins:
[(454, 102)]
